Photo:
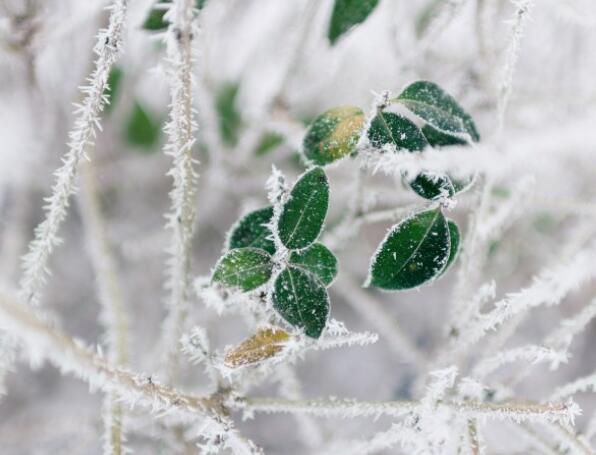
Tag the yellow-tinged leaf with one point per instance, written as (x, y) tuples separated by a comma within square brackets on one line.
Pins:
[(263, 345), (333, 135)]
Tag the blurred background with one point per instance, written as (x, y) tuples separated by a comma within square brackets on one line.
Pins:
[(264, 69)]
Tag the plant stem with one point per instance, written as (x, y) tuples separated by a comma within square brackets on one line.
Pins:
[(113, 314), (180, 130)]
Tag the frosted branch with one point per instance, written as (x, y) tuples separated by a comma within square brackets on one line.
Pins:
[(570, 327), (530, 353), (518, 26), (583, 384), (180, 130), (549, 288), (107, 49), (72, 356), (346, 408)]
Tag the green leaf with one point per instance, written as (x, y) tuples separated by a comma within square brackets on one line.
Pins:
[(268, 142), (112, 89), (244, 268), (142, 129), (348, 13), (318, 260), (431, 186), (302, 300), (414, 252), (251, 231), (438, 139), (454, 242), (333, 135), (302, 216), (389, 128), (435, 106), (230, 120), (155, 19)]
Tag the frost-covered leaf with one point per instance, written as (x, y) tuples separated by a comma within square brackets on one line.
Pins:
[(333, 135), (454, 242), (142, 129), (268, 142), (302, 300), (317, 259), (389, 128), (438, 139), (302, 216), (435, 106), (113, 87), (264, 344), (414, 252), (230, 120), (244, 268), (252, 231), (348, 13)]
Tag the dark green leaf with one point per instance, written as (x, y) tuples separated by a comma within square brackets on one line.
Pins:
[(230, 120), (454, 243), (435, 106), (268, 142), (348, 13), (432, 186), (251, 231), (112, 89), (302, 300), (244, 268), (141, 128), (155, 20), (302, 216), (390, 128), (333, 134), (437, 139), (317, 259), (414, 252)]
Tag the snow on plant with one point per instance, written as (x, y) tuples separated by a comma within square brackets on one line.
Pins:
[(445, 320)]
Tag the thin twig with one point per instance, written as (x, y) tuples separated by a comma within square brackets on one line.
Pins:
[(113, 314)]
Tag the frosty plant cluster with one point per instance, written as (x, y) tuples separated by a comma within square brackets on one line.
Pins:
[(275, 248), (279, 263), (274, 252)]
